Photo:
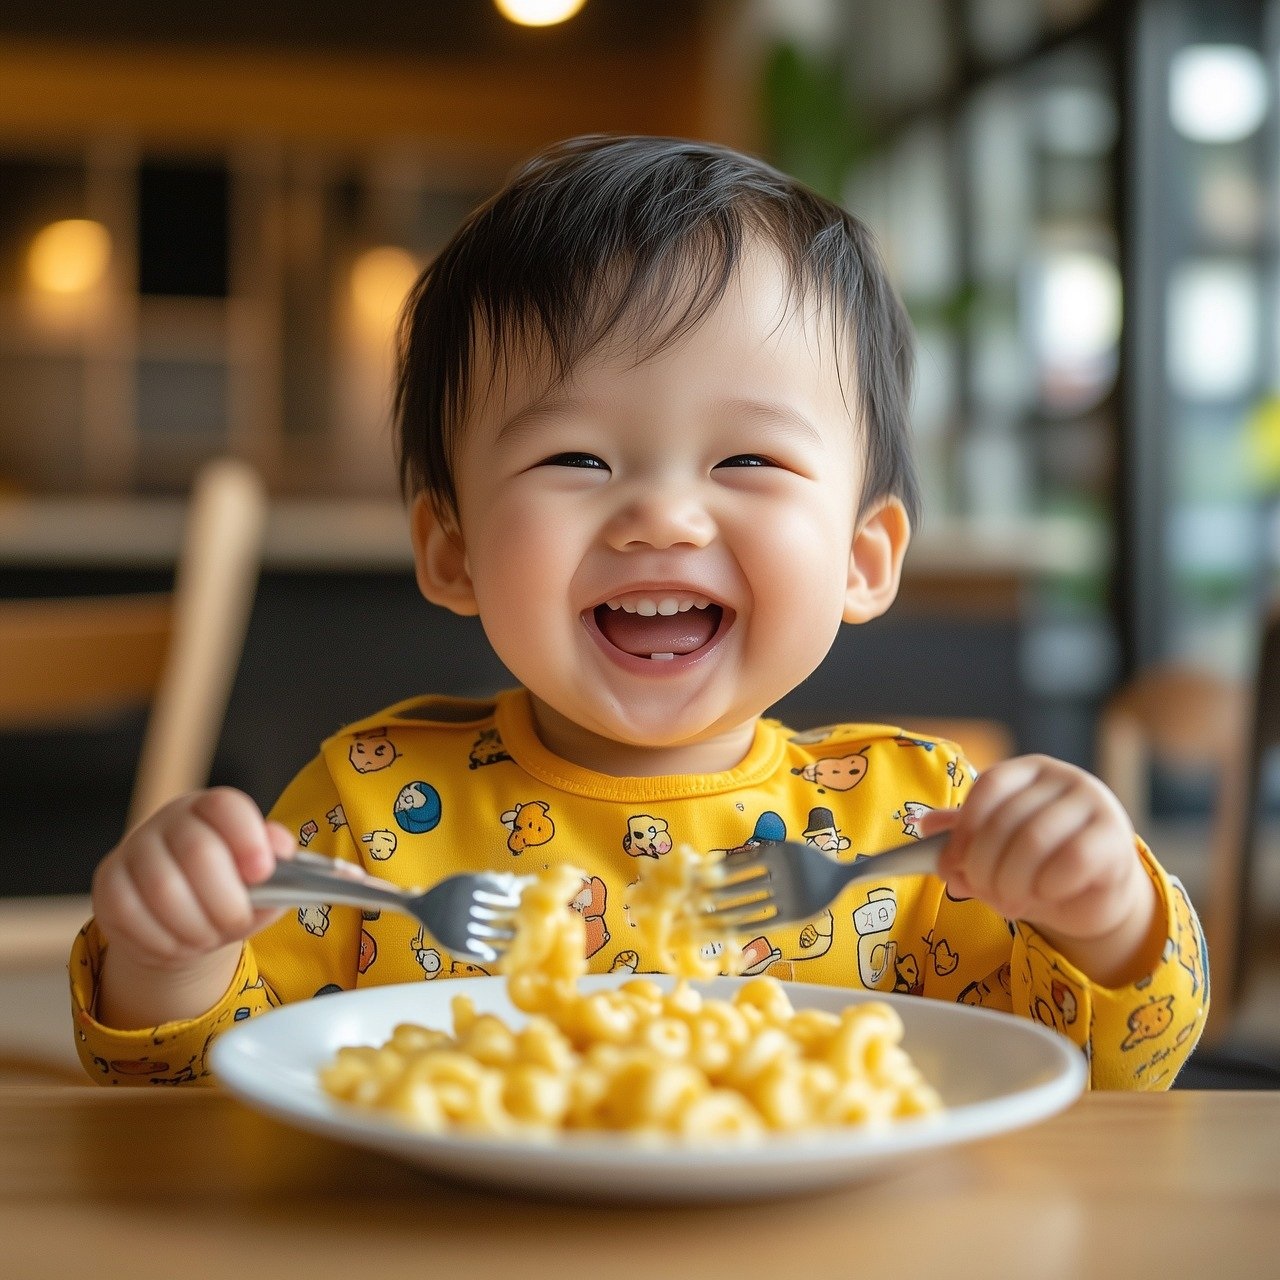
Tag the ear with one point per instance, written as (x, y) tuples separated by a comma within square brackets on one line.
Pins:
[(875, 561), (440, 560)]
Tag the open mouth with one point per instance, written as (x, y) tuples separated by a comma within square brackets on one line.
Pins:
[(660, 627)]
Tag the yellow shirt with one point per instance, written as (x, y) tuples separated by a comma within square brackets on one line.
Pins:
[(434, 786)]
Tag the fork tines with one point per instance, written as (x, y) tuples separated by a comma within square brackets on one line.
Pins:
[(491, 914), (736, 893)]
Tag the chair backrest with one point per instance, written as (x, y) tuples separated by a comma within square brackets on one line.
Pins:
[(1195, 719), (1173, 714), (1232, 915), (71, 661)]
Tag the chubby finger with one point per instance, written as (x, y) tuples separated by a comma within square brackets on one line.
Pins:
[(125, 920), (932, 822), (1084, 861), (981, 854), (239, 824), (281, 840), (1043, 837), (993, 788), (214, 879)]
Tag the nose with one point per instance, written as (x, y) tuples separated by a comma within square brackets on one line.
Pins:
[(660, 516)]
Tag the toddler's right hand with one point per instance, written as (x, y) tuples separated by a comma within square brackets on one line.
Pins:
[(175, 889)]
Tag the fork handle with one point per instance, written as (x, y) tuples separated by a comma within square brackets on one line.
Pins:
[(309, 878), (915, 858)]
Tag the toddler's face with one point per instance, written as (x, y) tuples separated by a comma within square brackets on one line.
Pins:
[(660, 549)]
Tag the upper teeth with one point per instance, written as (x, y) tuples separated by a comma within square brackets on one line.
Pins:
[(647, 606)]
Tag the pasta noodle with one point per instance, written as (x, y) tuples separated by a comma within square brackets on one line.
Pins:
[(635, 1058)]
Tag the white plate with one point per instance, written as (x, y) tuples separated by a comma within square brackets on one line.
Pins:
[(995, 1072)]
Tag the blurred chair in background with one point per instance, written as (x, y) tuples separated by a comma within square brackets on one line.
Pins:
[(68, 662), (1173, 715), (1198, 722), (71, 662)]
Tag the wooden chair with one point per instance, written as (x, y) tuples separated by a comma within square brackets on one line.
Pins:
[(1194, 720), (1231, 914), (66, 663)]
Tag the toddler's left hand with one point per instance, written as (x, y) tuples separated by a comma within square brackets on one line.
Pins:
[(1043, 841)]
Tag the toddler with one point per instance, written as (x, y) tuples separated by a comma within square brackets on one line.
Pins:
[(652, 424)]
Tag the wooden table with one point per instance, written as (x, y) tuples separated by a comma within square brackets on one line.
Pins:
[(101, 1184)]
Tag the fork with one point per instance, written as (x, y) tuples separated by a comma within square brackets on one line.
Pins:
[(468, 914), (785, 882)]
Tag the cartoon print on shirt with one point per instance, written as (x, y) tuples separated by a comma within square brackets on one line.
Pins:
[(1054, 999), (907, 977), (906, 740), (589, 903), (960, 773), (910, 814), (995, 991), (944, 959), (315, 919), (821, 831), (769, 828), (625, 962), (1187, 942), (382, 844), (417, 808), (372, 750), (836, 773), (1064, 1000), (308, 832), (877, 952), (487, 749), (337, 817), (368, 950), (757, 956), (1148, 1021), (815, 938), (530, 825), (647, 836), (432, 962)]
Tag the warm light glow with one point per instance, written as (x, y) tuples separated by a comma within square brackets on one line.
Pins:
[(380, 279), (538, 13), (1217, 93), (69, 256)]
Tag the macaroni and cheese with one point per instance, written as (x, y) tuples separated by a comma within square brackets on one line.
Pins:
[(635, 1058)]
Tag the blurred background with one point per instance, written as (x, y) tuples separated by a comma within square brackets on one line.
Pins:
[(209, 216)]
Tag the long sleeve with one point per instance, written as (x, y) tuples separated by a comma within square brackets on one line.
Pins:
[(307, 951), (1135, 1037)]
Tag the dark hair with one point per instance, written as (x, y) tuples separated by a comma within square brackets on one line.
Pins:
[(598, 232)]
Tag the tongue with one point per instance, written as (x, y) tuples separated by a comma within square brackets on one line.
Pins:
[(674, 633)]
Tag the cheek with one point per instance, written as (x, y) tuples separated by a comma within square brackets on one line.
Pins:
[(798, 564), (520, 558)]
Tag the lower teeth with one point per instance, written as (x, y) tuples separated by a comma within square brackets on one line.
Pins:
[(661, 657)]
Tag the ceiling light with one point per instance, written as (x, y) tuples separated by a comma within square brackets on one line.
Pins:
[(538, 13), (70, 256), (380, 280)]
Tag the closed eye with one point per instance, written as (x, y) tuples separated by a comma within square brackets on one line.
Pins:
[(746, 460), (587, 461)]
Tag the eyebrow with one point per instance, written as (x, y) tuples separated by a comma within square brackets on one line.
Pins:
[(527, 418), (768, 412), (771, 412)]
